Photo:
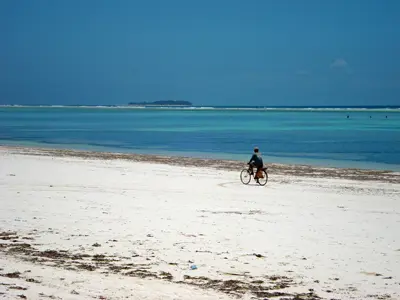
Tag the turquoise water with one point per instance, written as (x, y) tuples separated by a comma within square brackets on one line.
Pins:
[(367, 139)]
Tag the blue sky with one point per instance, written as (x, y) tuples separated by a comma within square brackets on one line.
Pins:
[(225, 52)]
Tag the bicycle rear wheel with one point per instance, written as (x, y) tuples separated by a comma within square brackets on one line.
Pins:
[(263, 181), (245, 176)]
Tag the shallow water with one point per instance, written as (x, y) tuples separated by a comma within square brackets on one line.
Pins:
[(340, 137)]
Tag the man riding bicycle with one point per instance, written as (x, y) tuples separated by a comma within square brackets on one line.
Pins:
[(256, 161)]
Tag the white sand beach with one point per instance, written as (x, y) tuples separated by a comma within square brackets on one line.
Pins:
[(82, 228)]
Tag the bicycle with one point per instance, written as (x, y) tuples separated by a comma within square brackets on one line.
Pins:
[(248, 173)]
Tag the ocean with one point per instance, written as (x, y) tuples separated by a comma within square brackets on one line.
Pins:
[(332, 137)]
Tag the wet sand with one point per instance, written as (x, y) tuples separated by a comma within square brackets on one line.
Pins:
[(230, 165)]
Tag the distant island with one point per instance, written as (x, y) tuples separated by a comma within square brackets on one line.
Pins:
[(163, 103)]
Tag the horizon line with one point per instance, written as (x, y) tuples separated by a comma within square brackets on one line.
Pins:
[(202, 106)]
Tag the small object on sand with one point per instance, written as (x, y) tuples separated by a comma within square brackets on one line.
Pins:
[(73, 292), (193, 267), (149, 235), (258, 255), (96, 245)]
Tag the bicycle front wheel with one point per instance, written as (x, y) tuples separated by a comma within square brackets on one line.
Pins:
[(245, 176)]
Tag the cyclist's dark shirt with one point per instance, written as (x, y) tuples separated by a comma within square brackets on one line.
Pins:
[(257, 160)]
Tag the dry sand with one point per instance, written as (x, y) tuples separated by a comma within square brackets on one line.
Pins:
[(113, 227)]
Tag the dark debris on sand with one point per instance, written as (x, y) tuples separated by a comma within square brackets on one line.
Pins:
[(269, 287), (239, 288), (12, 275), (17, 288), (8, 235)]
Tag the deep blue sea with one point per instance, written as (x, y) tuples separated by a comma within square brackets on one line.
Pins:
[(340, 137)]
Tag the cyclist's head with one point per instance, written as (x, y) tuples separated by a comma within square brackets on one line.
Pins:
[(255, 149)]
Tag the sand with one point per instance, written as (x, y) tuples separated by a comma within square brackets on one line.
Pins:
[(74, 227), (230, 165)]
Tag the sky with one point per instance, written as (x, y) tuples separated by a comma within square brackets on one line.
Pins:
[(225, 52)]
